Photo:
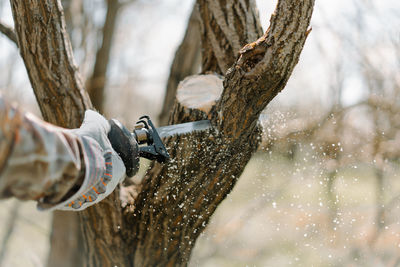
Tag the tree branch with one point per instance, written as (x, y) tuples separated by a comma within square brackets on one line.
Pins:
[(263, 68), (226, 27), (185, 63), (98, 79), (9, 32)]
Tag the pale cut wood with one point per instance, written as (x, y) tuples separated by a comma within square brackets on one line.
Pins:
[(200, 92), (47, 54)]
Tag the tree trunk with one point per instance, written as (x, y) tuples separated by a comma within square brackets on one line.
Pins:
[(226, 26), (160, 225), (178, 198), (47, 54), (9, 229)]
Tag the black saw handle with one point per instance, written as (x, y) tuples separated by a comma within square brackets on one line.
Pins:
[(126, 144), (146, 133)]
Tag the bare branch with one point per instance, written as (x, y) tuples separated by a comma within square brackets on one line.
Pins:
[(264, 67), (97, 82), (185, 63), (9, 32), (178, 198)]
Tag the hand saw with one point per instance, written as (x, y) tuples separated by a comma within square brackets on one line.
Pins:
[(146, 133), (145, 140)]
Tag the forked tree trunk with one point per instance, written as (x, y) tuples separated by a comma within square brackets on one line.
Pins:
[(46, 50), (178, 198), (161, 224)]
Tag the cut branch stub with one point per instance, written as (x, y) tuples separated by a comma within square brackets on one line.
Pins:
[(198, 92)]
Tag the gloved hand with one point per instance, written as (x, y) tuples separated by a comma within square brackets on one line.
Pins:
[(125, 145), (104, 168)]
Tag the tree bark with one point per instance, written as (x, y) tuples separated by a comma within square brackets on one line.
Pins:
[(160, 225), (226, 26), (186, 62), (47, 54)]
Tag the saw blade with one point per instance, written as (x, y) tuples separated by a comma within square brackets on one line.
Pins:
[(183, 128)]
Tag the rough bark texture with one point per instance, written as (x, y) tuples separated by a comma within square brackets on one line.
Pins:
[(226, 26), (97, 81), (159, 226), (186, 62), (47, 54)]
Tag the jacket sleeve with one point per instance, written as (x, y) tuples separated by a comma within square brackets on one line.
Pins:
[(39, 161)]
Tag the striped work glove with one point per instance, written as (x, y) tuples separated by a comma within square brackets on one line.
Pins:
[(104, 168)]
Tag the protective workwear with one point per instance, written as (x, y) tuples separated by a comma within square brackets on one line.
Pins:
[(59, 168)]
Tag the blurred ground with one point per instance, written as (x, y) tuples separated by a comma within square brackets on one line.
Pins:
[(277, 215), (28, 244)]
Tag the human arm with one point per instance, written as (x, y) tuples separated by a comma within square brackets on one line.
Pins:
[(57, 167)]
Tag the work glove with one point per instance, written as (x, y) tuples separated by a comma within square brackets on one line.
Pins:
[(104, 167)]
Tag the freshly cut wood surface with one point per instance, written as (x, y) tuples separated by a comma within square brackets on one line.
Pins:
[(200, 91)]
